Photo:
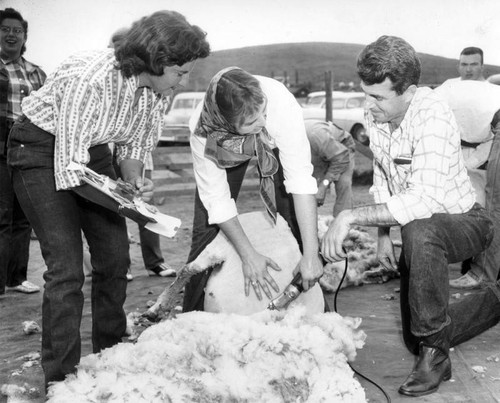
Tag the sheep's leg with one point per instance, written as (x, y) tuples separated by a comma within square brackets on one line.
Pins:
[(166, 301)]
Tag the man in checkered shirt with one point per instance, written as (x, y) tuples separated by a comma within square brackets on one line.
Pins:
[(420, 184)]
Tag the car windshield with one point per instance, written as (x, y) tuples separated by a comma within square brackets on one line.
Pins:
[(188, 103), (358, 102), (338, 103), (316, 101)]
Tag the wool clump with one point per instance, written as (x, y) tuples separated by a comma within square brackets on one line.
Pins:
[(270, 356), (363, 266)]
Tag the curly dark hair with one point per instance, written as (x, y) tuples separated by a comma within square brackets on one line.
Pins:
[(164, 38), (15, 15), (389, 57)]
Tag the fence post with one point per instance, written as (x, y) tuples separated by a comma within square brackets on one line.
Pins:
[(328, 95)]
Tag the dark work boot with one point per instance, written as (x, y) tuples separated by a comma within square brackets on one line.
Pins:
[(433, 366)]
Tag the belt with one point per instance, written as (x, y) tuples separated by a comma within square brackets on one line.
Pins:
[(464, 143), (24, 118)]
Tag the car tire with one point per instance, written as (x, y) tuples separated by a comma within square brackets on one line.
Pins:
[(359, 134)]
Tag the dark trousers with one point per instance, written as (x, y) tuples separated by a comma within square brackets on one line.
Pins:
[(150, 241), (150, 244), (15, 231), (486, 266), (203, 233), (58, 218), (429, 245), (150, 248)]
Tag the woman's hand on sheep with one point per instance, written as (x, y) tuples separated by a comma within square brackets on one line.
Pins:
[(255, 270), (311, 269)]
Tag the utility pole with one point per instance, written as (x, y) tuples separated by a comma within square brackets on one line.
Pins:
[(328, 96)]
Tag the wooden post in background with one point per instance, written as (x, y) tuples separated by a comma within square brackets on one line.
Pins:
[(328, 96)]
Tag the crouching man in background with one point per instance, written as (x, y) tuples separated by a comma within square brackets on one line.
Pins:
[(332, 156), (420, 183)]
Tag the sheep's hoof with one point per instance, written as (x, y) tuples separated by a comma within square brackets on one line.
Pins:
[(152, 316)]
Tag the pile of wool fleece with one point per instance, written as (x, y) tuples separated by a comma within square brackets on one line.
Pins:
[(271, 356), (363, 266)]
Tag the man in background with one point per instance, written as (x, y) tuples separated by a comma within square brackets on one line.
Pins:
[(332, 156), (470, 65), (474, 101), (476, 106), (18, 77)]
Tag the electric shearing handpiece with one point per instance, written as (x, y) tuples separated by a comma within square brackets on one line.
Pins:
[(289, 294)]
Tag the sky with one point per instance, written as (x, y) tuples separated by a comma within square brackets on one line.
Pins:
[(58, 28)]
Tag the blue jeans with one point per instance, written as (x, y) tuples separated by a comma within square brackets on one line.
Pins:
[(58, 218), (429, 245), (15, 232), (486, 266)]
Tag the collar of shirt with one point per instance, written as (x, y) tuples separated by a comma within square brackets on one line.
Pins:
[(19, 60)]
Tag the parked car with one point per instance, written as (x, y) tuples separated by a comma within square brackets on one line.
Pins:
[(175, 122), (347, 111)]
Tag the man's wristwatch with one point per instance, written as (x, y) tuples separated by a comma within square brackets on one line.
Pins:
[(326, 182)]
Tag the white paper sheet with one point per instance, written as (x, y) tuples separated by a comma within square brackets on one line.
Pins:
[(165, 225)]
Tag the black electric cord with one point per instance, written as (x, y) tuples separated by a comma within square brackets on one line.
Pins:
[(335, 309)]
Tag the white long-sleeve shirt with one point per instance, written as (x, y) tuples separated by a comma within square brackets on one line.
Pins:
[(286, 129), (473, 103)]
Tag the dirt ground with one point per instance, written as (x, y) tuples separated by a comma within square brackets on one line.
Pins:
[(384, 358)]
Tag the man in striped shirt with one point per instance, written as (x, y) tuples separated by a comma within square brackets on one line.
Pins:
[(420, 183), (18, 77)]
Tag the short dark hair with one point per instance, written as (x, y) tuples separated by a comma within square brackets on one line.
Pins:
[(15, 15), (389, 57), (472, 50), (164, 38), (238, 96)]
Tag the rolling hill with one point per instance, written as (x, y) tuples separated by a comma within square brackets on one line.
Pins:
[(305, 64)]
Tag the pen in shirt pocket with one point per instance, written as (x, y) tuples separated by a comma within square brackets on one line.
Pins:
[(403, 160)]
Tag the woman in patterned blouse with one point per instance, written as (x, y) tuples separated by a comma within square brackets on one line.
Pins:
[(94, 98)]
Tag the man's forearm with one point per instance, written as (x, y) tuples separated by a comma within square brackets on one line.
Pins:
[(376, 215)]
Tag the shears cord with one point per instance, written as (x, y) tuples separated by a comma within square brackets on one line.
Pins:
[(335, 309)]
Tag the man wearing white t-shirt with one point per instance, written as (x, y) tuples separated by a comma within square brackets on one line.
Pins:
[(475, 105)]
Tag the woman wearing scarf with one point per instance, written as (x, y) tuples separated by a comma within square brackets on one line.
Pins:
[(244, 116)]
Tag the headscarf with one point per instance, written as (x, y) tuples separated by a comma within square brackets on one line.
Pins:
[(227, 148)]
